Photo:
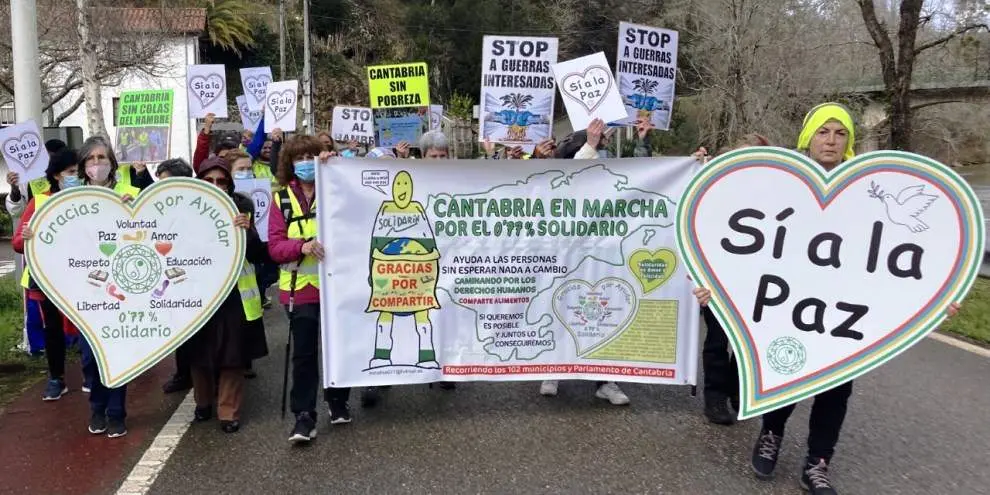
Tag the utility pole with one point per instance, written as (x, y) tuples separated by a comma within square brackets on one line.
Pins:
[(281, 39), (308, 124), (27, 80), (24, 45)]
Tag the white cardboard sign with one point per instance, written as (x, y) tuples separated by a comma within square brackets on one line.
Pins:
[(589, 91), (207, 89), (517, 89), (249, 118), (255, 82), (260, 192), (280, 106), (353, 123), (646, 68), (24, 151)]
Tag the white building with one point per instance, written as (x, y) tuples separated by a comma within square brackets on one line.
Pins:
[(180, 49)]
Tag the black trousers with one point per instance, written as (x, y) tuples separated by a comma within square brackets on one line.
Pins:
[(721, 374), (182, 367), (828, 412), (54, 339), (304, 325)]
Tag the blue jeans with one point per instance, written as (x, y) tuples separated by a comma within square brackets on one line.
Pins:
[(102, 400)]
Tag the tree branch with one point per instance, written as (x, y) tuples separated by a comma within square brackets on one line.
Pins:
[(68, 111), (948, 37), (878, 32)]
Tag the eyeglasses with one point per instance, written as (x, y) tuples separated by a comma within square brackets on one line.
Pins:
[(217, 181)]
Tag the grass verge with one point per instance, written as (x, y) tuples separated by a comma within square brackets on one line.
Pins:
[(18, 371), (973, 320)]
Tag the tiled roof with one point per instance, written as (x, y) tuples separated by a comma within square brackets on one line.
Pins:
[(183, 20)]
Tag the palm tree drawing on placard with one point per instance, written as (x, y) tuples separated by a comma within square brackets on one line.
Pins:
[(517, 102), (644, 102)]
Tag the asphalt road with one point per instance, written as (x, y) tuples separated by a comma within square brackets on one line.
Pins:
[(917, 425)]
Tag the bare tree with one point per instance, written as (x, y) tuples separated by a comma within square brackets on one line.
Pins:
[(897, 63), (90, 82)]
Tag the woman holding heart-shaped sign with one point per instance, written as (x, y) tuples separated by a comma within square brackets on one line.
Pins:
[(828, 138)]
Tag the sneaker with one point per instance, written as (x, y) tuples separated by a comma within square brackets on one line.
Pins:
[(717, 412), (340, 412), (765, 454), (305, 429), (612, 393), (369, 397), (97, 424), (86, 389), (116, 428), (55, 390), (548, 388), (177, 384), (815, 480), (204, 413), (230, 426)]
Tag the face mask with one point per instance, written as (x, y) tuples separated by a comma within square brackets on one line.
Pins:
[(603, 154), (305, 170), (69, 181), (243, 174), (348, 153), (98, 173)]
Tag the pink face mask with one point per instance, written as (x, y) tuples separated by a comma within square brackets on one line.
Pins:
[(98, 172)]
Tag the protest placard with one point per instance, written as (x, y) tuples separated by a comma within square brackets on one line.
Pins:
[(397, 86), (144, 121), (646, 70), (589, 91), (255, 82), (517, 89), (249, 118), (353, 124), (280, 106), (206, 86), (24, 151), (260, 192)]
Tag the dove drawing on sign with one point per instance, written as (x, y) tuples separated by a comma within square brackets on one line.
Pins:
[(907, 207)]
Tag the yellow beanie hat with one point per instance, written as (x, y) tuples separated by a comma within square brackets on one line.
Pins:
[(821, 114)]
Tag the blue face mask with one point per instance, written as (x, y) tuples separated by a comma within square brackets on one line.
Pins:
[(69, 181), (348, 153), (305, 170), (243, 174)]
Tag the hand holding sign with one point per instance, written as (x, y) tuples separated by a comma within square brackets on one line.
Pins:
[(819, 277), (589, 90), (24, 151)]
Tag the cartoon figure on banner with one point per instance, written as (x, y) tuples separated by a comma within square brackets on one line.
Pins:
[(404, 270), (514, 112), (643, 100)]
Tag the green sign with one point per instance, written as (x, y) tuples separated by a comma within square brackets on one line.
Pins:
[(145, 108)]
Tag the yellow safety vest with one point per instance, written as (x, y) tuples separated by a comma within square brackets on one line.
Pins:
[(303, 227), (247, 285), (262, 170), (124, 175), (40, 199), (40, 186)]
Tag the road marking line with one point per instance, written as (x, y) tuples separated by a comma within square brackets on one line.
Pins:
[(143, 476), (960, 344)]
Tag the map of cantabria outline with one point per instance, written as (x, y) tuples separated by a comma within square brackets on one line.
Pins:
[(609, 258)]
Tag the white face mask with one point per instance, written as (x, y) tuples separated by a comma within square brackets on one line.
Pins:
[(243, 174), (98, 172)]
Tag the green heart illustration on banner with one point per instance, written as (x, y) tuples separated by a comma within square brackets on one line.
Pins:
[(133, 303), (652, 269), (381, 282), (594, 314), (818, 276)]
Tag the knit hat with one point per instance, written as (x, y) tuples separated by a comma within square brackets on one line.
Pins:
[(821, 114), (217, 162), (380, 153)]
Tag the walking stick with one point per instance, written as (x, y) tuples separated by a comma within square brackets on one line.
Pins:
[(288, 342)]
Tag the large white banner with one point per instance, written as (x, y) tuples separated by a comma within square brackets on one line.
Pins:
[(536, 269), (517, 89), (646, 68)]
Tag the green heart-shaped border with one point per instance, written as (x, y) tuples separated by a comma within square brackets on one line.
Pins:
[(649, 287), (826, 186), (192, 187)]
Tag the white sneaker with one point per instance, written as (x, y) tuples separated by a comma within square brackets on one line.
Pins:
[(612, 393), (548, 388)]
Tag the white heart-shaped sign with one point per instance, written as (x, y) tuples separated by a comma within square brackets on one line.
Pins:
[(594, 314), (137, 280), (207, 89), (257, 86), (589, 87), (281, 103), (819, 277), (23, 149)]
